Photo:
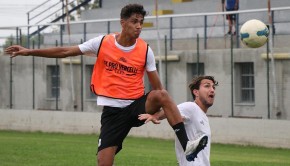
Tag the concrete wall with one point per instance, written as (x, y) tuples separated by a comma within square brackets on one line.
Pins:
[(268, 133)]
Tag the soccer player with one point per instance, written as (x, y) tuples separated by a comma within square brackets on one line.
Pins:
[(117, 79), (195, 120)]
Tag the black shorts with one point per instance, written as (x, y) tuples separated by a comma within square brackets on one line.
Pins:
[(117, 122), (231, 16)]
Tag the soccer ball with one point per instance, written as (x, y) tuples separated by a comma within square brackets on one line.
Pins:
[(254, 33)]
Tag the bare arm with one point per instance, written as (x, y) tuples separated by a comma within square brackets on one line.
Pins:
[(154, 80), (54, 52)]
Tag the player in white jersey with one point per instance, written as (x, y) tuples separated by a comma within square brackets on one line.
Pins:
[(196, 123), (195, 120)]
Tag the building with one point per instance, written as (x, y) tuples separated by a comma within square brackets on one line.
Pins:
[(246, 87)]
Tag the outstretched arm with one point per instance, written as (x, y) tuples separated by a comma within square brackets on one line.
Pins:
[(54, 52)]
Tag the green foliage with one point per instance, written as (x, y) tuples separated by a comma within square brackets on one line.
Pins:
[(46, 149)]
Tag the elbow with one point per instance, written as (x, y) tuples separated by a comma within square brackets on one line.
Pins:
[(71, 51), (67, 53)]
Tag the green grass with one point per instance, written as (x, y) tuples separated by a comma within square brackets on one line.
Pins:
[(55, 149), (229, 155)]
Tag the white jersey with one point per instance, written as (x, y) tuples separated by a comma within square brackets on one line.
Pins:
[(92, 46), (196, 123)]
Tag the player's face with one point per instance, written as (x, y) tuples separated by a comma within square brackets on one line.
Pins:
[(206, 92), (132, 26)]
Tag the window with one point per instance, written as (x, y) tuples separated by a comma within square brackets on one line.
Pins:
[(192, 71), (89, 71), (245, 81), (53, 81)]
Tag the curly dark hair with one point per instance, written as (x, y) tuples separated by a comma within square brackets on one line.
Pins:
[(195, 83), (130, 9)]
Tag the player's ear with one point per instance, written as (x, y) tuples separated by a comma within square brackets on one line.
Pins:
[(195, 92), (122, 22)]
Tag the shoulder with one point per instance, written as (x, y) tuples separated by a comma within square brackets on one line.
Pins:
[(98, 38), (187, 107), (186, 104), (91, 45), (150, 51), (94, 41)]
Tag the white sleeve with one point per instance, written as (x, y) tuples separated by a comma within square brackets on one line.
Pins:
[(150, 65), (91, 46), (185, 111)]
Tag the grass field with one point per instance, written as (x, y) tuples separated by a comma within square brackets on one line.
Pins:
[(55, 149)]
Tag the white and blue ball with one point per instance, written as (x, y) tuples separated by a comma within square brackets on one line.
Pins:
[(254, 33)]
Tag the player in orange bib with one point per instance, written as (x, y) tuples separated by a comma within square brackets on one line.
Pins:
[(122, 60)]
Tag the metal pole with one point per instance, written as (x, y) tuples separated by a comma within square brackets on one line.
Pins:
[(20, 37), (197, 56), (28, 28), (205, 32), (268, 81), (273, 28), (28, 38), (109, 27), (38, 46), (82, 70), (171, 33), (62, 9), (85, 32), (57, 80), (17, 36), (165, 42), (33, 78), (82, 81), (237, 31), (232, 76), (11, 77)]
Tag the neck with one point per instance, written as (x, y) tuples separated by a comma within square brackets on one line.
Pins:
[(203, 107), (124, 40)]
